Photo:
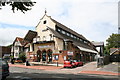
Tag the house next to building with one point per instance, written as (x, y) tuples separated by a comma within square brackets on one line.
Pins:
[(17, 47), (52, 41), (115, 54)]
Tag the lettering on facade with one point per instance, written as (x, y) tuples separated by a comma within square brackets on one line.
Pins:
[(45, 46)]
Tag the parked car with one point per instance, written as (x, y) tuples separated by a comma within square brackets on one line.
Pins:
[(17, 60), (78, 62), (70, 64), (4, 68)]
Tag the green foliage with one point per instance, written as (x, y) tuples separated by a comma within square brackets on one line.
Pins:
[(22, 56), (113, 41), (18, 4), (11, 57), (106, 50)]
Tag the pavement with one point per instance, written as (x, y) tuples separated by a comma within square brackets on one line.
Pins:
[(88, 68)]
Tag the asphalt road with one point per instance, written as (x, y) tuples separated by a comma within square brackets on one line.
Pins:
[(33, 74)]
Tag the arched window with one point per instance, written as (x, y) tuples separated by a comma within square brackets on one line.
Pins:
[(49, 52), (38, 55), (44, 22), (44, 55)]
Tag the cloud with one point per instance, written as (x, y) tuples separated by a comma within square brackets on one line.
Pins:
[(94, 19), (8, 35)]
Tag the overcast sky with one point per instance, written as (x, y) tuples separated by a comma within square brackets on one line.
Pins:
[(94, 19)]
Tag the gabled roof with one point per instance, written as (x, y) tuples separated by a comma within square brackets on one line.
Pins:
[(113, 50), (20, 40), (64, 27), (30, 35)]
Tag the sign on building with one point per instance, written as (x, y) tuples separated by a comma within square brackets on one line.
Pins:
[(45, 46)]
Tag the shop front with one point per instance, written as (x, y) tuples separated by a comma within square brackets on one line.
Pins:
[(44, 52)]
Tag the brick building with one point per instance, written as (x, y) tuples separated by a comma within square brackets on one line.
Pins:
[(5, 51)]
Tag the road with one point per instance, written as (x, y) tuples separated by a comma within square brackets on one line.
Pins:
[(34, 74)]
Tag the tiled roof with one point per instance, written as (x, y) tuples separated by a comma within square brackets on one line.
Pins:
[(68, 29), (30, 35), (20, 40), (75, 42)]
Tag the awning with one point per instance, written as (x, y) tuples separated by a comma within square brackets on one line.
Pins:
[(87, 50)]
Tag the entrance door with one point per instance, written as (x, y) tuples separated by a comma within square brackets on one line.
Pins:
[(49, 55), (44, 56), (38, 55)]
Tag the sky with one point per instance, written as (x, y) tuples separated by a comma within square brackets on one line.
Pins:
[(94, 19)]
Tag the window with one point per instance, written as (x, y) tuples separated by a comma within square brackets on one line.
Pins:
[(50, 36), (63, 32), (55, 57), (16, 54), (44, 22), (81, 40), (71, 35), (68, 34), (59, 30), (16, 48), (77, 38), (85, 42)]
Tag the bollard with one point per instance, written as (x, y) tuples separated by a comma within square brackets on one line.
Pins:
[(57, 63), (27, 63)]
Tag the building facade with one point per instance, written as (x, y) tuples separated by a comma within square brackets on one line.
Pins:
[(5, 51), (52, 41), (17, 47), (115, 54)]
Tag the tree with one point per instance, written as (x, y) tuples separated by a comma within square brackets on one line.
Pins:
[(18, 4), (106, 50), (22, 56), (113, 41)]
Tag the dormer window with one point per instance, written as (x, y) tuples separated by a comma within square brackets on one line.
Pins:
[(63, 32), (59, 30), (71, 35), (44, 22), (68, 34)]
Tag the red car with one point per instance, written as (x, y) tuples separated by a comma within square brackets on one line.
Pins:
[(18, 60), (70, 64), (78, 62)]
